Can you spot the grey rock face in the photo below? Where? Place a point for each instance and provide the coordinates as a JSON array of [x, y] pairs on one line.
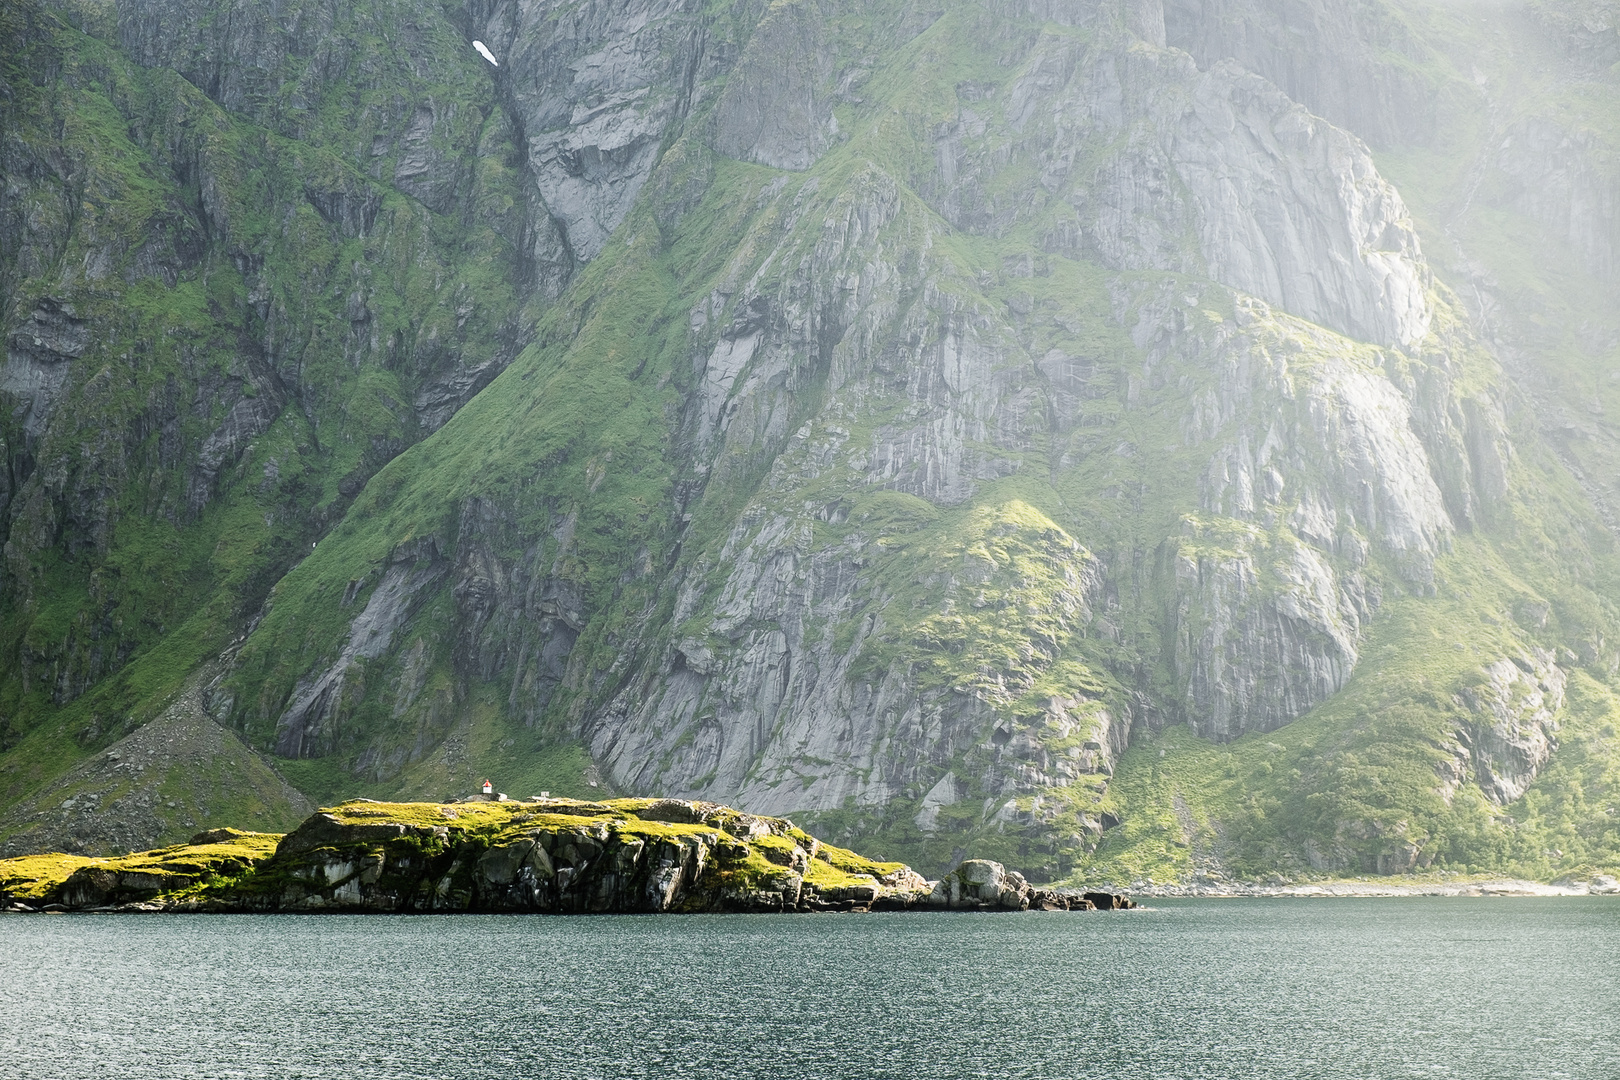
[[513, 618], [1517, 703], [765, 667], [1353, 62], [776, 108], [1284, 206], [279, 62], [1589, 30], [596, 86], [1373, 69], [1267, 628], [1344, 255], [38, 353], [1256, 660], [135, 398], [1252, 658], [1158, 343], [597, 89], [1568, 182], [439, 398], [522, 617], [772, 687], [306, 728], [246, 420]]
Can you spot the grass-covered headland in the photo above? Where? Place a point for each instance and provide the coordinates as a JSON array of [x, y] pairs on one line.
[[543, 855]]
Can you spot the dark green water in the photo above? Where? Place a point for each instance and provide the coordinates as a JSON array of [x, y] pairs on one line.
[[1468, 988]]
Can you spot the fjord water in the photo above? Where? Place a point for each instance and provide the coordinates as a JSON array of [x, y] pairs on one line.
[[1467, 987]]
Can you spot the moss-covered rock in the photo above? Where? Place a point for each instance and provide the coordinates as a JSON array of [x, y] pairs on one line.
[[563, 855], [213, 860], [542, 855]]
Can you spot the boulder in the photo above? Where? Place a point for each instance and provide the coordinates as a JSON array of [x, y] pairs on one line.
[[500, 865], [981, 878], [675, 811], [980, 884], [89, 887], [325, 830]]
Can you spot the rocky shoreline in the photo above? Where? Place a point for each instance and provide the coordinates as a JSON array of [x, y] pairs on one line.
[[555, 856], [1598, 885]]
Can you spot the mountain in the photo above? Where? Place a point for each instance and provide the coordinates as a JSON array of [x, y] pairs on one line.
[[1124, 438]]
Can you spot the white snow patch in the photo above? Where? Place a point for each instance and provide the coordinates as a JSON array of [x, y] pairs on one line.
[[483, 50]]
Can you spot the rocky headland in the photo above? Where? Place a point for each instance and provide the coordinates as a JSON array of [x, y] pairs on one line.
[[558, 856]]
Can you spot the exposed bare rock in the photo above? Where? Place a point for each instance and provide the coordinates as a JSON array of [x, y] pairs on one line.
[[776, 108], [1567, 180], [983, 885], [38, 352], [1284, 205], [596, 87], [1354, 62], [925, 403], [1516, 702], [308, 727]]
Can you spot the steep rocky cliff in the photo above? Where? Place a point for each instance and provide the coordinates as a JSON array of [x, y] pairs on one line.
[[234, 287], [1041, 423]]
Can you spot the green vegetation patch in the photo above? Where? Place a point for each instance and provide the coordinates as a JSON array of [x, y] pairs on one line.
[[223, 857]]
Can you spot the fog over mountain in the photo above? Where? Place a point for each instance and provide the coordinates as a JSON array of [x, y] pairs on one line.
[[1120, 438]]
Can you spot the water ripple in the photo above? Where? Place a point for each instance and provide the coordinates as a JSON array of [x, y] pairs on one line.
[[1473, 988]]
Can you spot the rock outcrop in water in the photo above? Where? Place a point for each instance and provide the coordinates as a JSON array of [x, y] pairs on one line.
[[556, 856]]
